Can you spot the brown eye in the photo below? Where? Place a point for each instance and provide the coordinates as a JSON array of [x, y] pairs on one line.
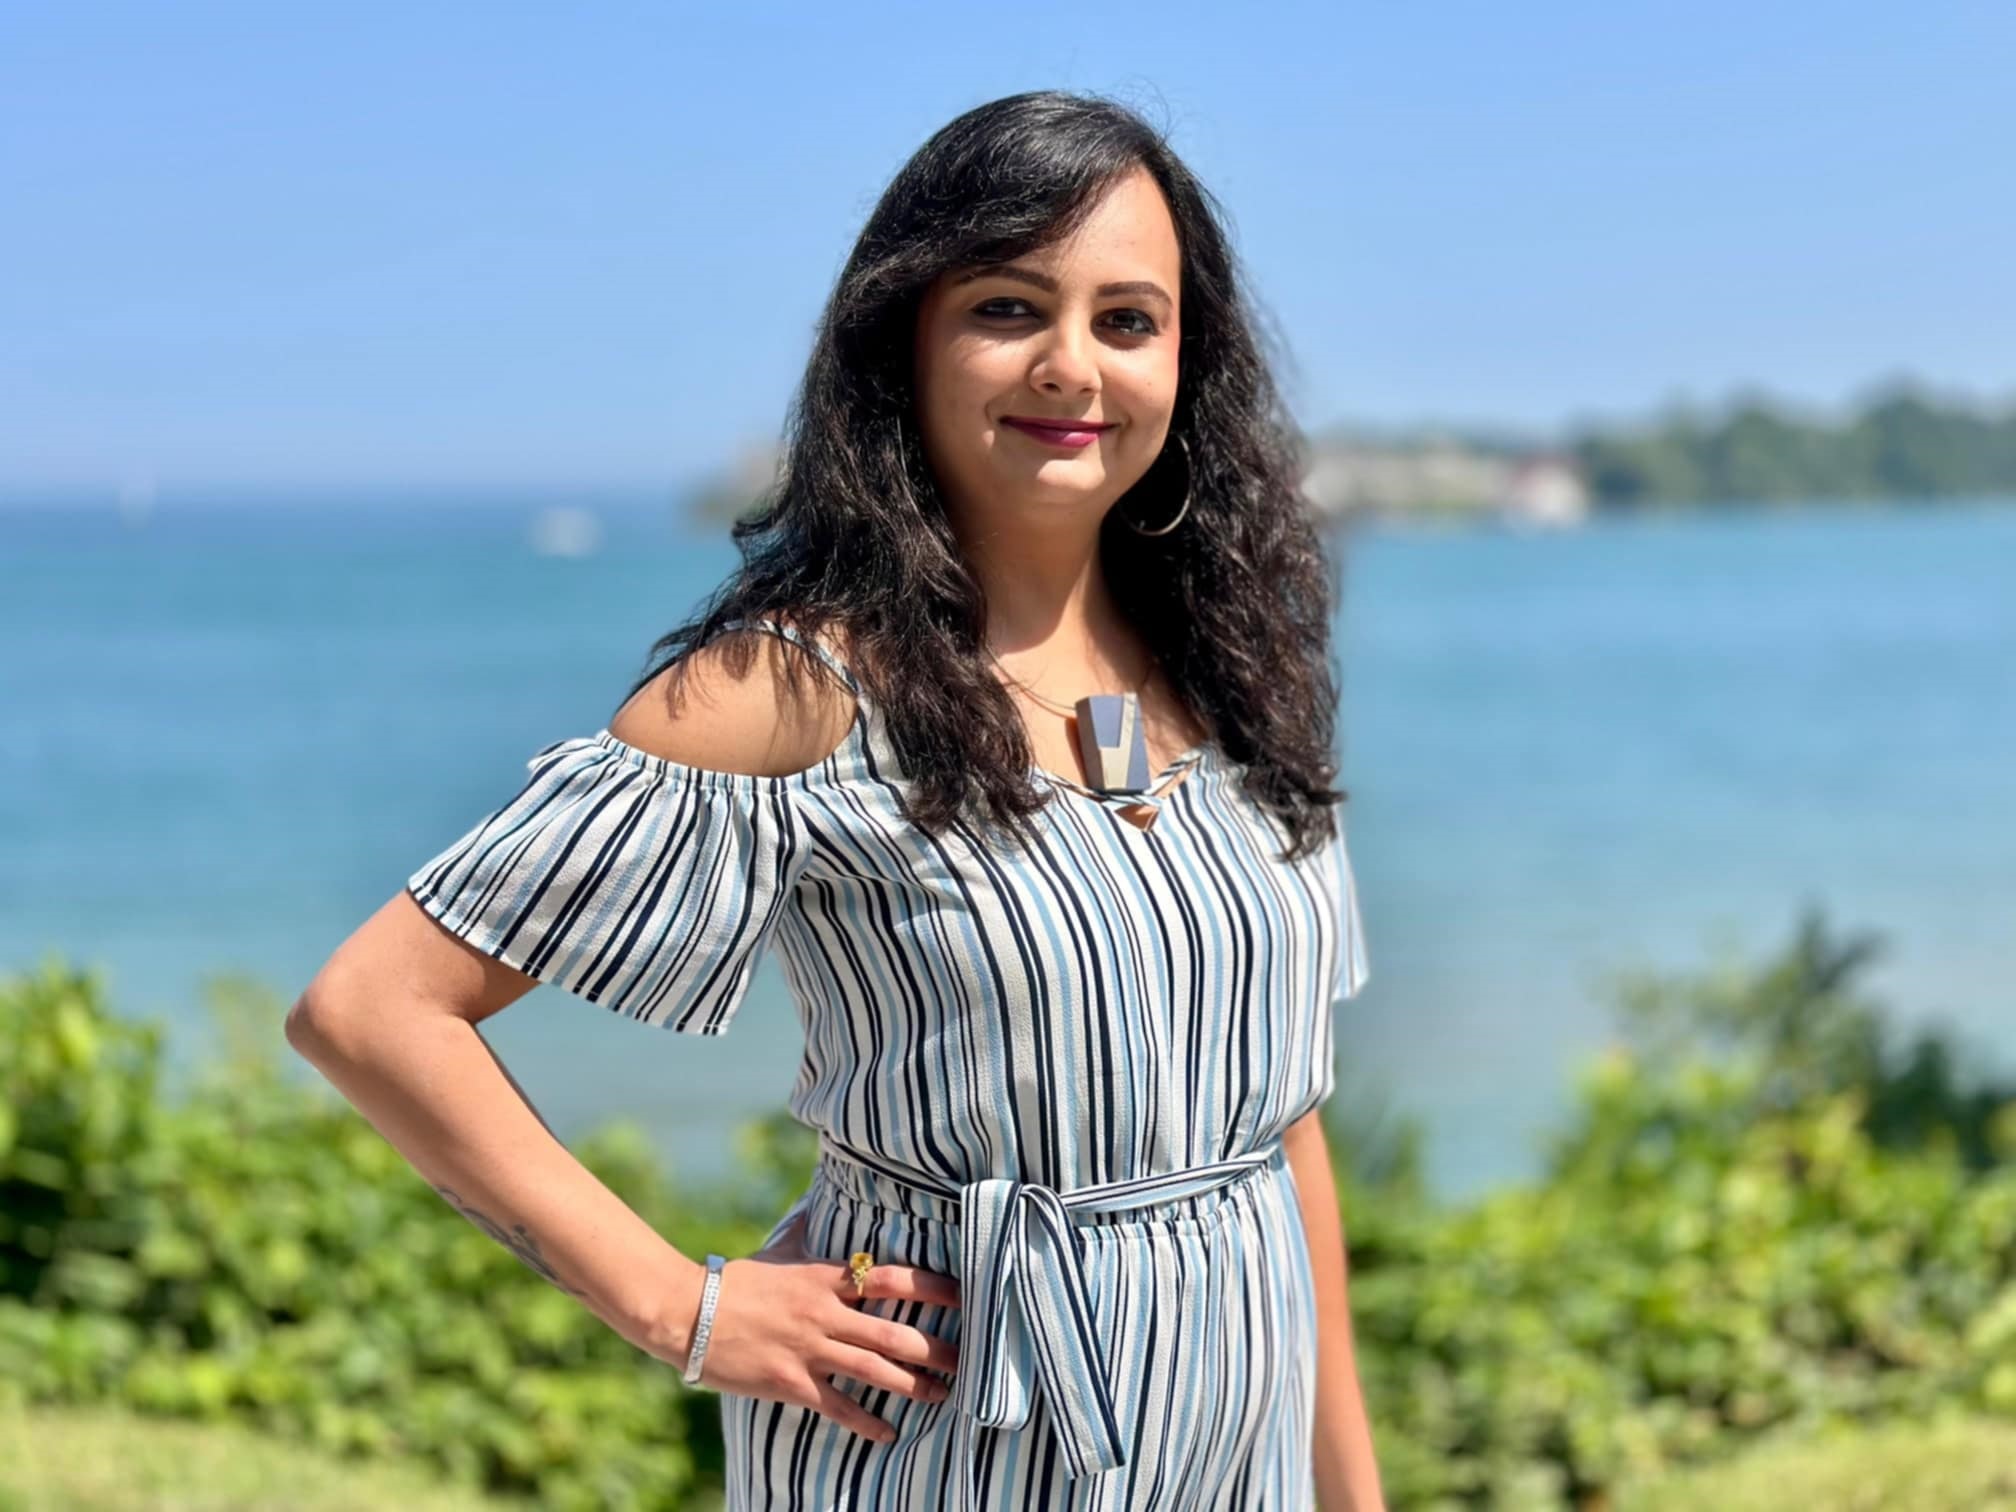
[[992, 310]]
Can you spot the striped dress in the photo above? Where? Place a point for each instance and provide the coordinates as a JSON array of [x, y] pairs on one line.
[[1059, 1074]]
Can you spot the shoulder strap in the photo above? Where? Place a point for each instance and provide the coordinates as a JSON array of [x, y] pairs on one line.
[[818, 647]]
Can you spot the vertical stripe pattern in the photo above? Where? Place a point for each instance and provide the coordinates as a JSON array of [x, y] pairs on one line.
[[1058, 1073]]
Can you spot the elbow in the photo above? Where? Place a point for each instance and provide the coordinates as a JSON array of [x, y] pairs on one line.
[[327, 1017], [306, 1028], [322, 1024]]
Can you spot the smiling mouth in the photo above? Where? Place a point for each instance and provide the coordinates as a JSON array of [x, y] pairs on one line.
[[1059, 433]]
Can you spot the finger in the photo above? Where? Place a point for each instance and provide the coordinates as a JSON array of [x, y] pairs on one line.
[[897, 1341], [841, 1280], [875, 1370], [912, 1283], [844, 1410]]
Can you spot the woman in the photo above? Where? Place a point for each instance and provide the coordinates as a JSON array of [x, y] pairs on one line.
[[1073, 1240]]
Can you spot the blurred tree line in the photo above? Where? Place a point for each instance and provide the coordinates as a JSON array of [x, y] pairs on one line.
[[1900, 444]]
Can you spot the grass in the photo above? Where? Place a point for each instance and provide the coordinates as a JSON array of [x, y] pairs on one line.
[[93, 1460], [1964, 1465]]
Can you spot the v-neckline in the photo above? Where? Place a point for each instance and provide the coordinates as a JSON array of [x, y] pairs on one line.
[[1196, 756]]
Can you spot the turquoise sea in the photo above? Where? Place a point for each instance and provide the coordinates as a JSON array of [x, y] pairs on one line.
[[227, 734]]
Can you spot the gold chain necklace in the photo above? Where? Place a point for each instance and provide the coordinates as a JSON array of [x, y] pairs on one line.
[[1154, 667]]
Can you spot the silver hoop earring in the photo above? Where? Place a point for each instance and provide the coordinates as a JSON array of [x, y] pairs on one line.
[[1187, 480]]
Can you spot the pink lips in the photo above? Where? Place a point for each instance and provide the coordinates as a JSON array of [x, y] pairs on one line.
[[1058, 433]]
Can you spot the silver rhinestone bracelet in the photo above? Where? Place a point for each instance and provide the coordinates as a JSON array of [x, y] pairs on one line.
[[710, 1293]]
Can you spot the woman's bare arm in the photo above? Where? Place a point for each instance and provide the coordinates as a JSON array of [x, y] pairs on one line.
[[391, 1019], [1347, 1472], [428, 1081]]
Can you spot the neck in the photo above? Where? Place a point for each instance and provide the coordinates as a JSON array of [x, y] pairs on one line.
[[1049, 603]]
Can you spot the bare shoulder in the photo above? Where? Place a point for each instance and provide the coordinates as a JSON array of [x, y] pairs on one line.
[[703, 712]]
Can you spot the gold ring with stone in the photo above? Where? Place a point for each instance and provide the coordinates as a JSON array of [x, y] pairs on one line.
[[859, 1265]]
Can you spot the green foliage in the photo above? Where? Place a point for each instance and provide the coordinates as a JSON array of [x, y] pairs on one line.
[[1900, 445], [1804, 1025], [262, 1254], [1722, 1245], [1758, 1218]]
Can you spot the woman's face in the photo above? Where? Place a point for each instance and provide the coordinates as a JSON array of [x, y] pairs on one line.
[[1081, 332]]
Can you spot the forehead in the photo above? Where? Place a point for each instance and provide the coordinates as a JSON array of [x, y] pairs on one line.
[[1130, 222], [1128, 234]]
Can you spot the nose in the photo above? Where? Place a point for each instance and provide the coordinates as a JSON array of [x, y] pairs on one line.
[[1067, 363]]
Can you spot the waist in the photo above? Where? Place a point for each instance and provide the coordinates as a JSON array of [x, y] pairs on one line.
[[1189, 1193], [1030, 1313]]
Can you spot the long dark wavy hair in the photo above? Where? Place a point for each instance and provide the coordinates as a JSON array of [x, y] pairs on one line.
[[1236, 602]]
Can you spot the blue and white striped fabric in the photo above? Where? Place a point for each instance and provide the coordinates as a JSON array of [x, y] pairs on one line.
[[1059, 1074]]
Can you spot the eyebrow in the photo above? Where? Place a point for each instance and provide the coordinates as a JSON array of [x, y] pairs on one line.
[[1045, 282]]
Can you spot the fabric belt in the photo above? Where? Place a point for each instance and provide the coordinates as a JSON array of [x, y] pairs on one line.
[[1026, 1314]]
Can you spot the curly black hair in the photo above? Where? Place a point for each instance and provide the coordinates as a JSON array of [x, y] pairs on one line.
[[1236, 603]]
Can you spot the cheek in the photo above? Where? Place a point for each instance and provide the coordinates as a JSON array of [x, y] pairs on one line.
[[964, 381], [977, 370], [1146, 375], [1148, 394], [953, 399]]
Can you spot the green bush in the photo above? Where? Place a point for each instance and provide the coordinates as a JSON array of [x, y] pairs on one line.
[[1724, 1242], [257, 1251], [1714, 1279], [1756, 1223]]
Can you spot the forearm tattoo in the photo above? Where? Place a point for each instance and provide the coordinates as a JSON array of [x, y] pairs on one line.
[[518, 1240]]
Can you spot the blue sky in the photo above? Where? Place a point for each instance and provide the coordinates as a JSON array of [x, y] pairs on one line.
[[284, 244]]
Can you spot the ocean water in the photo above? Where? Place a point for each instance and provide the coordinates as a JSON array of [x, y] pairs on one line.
[[228, 734]]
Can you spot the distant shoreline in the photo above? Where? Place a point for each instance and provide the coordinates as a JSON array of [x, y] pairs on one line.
[[383, 500], [1430, 521]]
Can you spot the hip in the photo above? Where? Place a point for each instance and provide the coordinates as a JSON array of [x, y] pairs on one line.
[[1198, 1350], [1241, 1236]]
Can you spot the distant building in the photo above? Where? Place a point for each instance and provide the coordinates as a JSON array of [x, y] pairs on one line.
[[1546, 490], [565, 532], [738, 488], [1444, 478]]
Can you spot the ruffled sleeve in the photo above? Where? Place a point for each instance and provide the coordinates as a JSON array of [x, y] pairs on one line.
[[1356, 968], [638, 883], [1353, 971]]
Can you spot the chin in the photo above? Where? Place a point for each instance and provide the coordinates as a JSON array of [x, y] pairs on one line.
[[1060, 480]]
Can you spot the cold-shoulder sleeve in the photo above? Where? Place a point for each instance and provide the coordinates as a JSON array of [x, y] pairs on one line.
[[1353, 971], [1356, 969], [638, 883]]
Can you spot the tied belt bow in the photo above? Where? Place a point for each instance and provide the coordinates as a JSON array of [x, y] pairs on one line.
[[1027, 1322]]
